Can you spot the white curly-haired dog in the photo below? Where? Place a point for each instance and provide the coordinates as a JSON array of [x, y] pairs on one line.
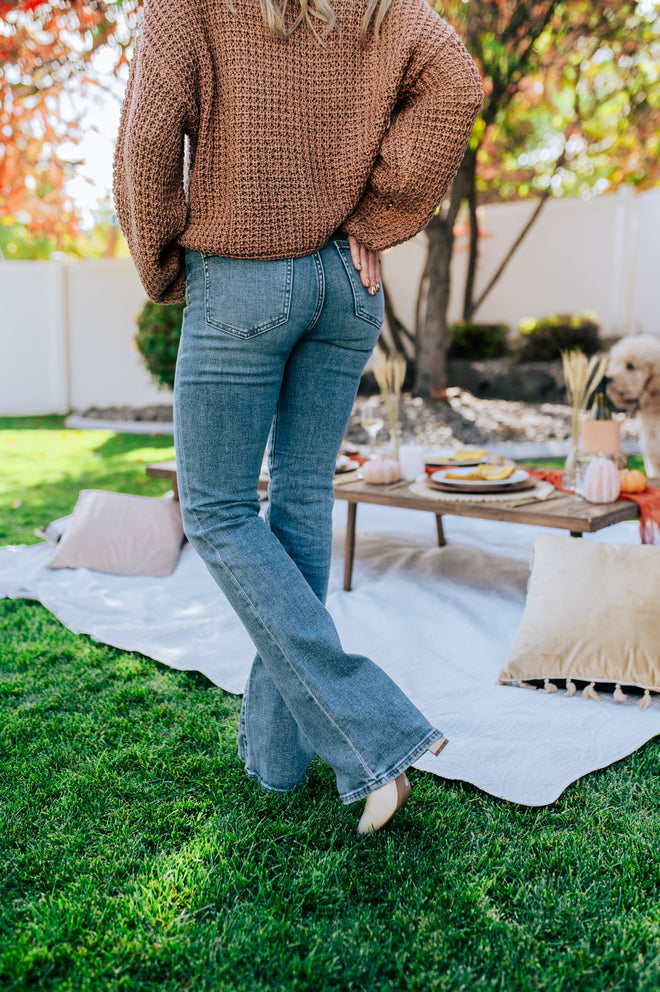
[[634, 385]]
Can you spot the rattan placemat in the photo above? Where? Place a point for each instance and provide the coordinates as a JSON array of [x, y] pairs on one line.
[[541, 491]]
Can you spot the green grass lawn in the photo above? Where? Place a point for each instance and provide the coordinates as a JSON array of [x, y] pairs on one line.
[[136, 856]]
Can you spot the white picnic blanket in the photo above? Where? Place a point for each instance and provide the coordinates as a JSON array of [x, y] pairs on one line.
[[438, 620]]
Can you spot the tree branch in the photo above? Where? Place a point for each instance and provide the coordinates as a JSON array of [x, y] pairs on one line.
[[543, 199]]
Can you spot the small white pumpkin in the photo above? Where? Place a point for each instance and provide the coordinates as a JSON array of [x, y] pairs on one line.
[[382, 470], [601, 481]]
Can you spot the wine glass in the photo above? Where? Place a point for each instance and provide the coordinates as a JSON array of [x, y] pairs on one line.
[[371, 419]]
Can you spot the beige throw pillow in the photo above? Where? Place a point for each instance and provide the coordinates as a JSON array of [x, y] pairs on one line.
[[592, 614], [121, 534]]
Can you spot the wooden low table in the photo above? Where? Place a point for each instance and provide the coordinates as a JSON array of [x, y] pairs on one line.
[[564, 511]]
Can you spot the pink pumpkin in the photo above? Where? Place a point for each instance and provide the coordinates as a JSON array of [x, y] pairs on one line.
[[601, 481], [381, 470]]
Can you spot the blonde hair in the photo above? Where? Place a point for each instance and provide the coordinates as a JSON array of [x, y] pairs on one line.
[[319, 17]]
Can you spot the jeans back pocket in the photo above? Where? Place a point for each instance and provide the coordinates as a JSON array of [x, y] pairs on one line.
[[247, 296]]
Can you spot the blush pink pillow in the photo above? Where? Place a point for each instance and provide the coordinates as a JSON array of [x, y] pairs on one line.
[[121, 534]]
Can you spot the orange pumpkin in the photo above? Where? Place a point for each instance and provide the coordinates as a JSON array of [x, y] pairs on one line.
[[632, 480]]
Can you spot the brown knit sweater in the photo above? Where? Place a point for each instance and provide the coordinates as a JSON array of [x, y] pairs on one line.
[[285, 142]]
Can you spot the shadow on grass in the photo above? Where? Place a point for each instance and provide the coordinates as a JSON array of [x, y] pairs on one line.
[[118, 444]]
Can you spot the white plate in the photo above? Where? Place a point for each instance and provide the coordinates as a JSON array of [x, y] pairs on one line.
[[346, 464], [518, 476], [446, 457]]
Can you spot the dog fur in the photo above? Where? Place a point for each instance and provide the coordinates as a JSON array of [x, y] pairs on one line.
[[634, 386]]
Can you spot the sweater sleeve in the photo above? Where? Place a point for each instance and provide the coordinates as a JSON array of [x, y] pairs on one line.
[[424, 145], [150, 201]]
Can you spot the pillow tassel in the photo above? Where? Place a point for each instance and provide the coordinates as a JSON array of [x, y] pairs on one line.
[[645, 701], [548, 686], [590, 692], [526, 685], [570, 688], [619, 695]]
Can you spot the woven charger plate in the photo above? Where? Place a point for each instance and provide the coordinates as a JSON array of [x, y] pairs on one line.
[[541, 491]]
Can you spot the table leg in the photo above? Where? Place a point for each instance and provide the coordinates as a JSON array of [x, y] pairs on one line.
[[575, 533], [349, 549], [441, 533]]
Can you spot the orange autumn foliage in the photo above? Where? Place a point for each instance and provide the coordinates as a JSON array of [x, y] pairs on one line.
[[45, 45]]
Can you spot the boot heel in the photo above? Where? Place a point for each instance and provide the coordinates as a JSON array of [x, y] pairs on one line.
[[382, 804], [437, 746]]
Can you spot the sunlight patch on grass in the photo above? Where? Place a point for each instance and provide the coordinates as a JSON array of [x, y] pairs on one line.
[[45, 465]]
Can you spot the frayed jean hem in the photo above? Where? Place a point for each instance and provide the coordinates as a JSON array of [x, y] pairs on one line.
[[412, 756], [280, 790]]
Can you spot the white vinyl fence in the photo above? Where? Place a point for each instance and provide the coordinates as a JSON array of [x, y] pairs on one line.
[[66, 329]]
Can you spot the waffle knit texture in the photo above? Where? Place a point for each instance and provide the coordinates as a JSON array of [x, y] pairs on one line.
[[234, 142]]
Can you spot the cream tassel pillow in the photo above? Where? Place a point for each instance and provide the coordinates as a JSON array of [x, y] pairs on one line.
[[592, 615]]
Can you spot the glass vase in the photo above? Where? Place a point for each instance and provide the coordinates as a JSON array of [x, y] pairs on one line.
[[395, 439], [569, 478], [392, 403]]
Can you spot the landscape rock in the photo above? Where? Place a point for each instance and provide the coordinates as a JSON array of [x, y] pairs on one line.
[[522, 383], [459, 418]]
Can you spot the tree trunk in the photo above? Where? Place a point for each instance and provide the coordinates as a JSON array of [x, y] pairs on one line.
[[402, 339], [432, 334], [431, 328], [470, 164]]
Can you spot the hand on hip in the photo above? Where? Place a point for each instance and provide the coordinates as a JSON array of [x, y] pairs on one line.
[[367, 263]]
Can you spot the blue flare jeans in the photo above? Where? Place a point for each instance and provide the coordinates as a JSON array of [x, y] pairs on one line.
[[270, 357]]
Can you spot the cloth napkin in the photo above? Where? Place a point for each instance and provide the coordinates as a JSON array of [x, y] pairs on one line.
[[648, 503]]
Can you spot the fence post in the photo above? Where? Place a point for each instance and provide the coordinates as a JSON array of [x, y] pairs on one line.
[[60, 351]]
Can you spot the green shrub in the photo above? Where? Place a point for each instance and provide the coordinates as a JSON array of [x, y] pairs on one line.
[[544, 339], [477, 341], [157, 339]]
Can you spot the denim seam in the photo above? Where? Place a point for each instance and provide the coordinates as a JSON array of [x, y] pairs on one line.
[[352, 797], [270, 633], [320, 274]]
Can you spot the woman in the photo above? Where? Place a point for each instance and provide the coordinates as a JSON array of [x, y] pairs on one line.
[[266, 154]]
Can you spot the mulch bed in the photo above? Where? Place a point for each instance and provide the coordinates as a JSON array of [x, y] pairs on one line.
[[459, 418]]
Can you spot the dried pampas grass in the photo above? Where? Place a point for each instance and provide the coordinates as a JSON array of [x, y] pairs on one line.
[[390, 371]]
